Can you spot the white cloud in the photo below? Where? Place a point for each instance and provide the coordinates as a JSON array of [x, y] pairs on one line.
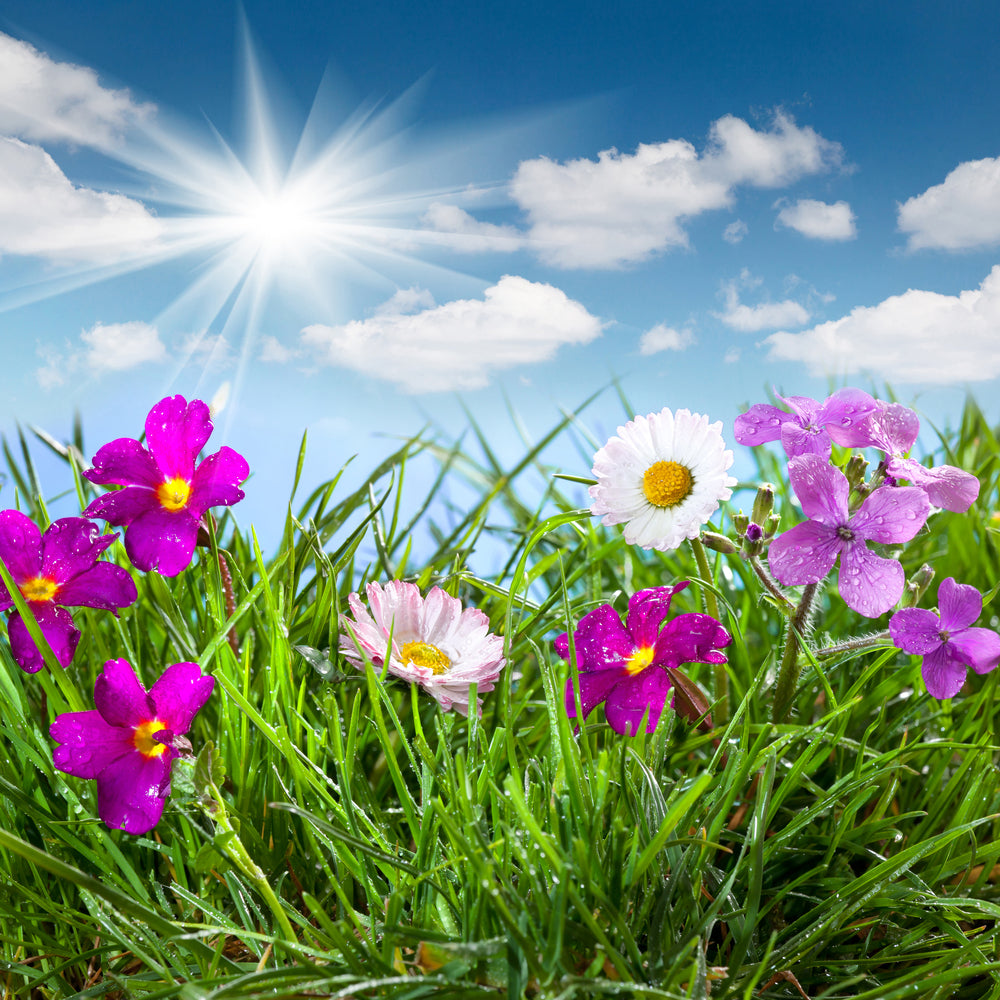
[[273, 351], [664, 338], [764, 315], [731, 356], [105, 347], [818, 220], [459, 344], [918, 336], [43, 215], [624, 207], [208, 349], [406, 300], [735, 231], [961, 213], [41, 99], [462, 231]]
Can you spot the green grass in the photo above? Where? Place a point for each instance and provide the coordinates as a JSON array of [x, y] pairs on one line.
[[852, 851]]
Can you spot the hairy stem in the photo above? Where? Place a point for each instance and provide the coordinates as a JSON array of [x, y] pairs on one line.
[[788, 674], [770, 585], [852, 645]]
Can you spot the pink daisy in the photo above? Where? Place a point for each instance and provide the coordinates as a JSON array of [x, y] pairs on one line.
[[431, 641]]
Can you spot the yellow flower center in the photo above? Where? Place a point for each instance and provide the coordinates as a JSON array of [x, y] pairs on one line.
[[39, 588], [423, 654], [666, 484], [174, 493], [639, 660], [142, 738]]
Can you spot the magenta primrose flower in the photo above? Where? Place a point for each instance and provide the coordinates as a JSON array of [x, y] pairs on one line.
[[165, 493], [129, 741], [627, 665], [809, 427], [869, 584], [947, 643], [54, 571]]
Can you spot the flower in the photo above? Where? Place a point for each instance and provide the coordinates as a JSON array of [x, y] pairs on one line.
[[165, 494], [628, 665], [54, 571], [808, 429], [663, 476], [893, 429], [946, 642], [128, 743], [431, 641], [869, 584]]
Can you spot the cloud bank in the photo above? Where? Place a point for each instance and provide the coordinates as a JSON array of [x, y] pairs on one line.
[[819, 220], [105, 347]]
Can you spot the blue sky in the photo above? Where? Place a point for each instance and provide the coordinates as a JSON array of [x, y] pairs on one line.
[[360, 217]]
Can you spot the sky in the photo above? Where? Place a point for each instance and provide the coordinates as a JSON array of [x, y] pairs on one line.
[[360, 220]]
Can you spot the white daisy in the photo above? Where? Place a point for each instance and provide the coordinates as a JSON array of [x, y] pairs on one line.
[[663, 476]]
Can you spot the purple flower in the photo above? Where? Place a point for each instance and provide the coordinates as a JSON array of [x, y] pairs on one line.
[[946, 642], [54, 571], [165, 494], [627, 665], [869, 584], [128, 743], [893, 428], [808, 429]]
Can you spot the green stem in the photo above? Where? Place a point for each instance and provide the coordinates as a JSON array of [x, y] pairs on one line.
[[721, 709], [770, 586], [852, 645], [788, 674]]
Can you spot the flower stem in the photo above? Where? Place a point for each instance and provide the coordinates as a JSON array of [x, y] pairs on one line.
[[770, 586], [721, 709], [788, 674], [852, 645]]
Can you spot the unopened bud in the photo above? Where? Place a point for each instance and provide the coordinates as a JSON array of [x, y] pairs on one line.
[[855, 471], [916, 586], [719, 543], [753, 540], [763, 503], [740, 522], [772, 525]]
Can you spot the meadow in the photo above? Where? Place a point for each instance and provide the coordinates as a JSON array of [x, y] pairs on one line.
[[332, 832]]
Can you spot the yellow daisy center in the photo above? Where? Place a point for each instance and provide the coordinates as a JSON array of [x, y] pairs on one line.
[[666, 484], [174, 494], [39, 588], [423, 654], [639, 660], [142, 738]]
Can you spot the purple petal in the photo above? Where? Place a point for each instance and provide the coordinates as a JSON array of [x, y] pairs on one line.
[[601, 640], [20, 547], [132, 791], [891, 514], [630, 699], [844, 416], [959, 604], [57, 627], [124, 462], [646, 611], [894, 428], [175, 432], [179, 693], [691, 638], [162, 540], [978, 647], [123, 506], [915, 631], [822, 490], [71, 546], [943, 673], [104, 586], [946, 487], [804, 554], [88, 743], [869, 584], [804, 407], [811, 440], [120, 698], [760, 424], [216, 481], [594, 688]]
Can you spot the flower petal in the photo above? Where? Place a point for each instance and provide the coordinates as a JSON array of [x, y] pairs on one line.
[[797, 440], [70, 546], [946, 487], [960, 604], [175, 432], [123, 506], [120, 698], [822, 490], [20, 547], [124, 462], [760, 424], [844, 415], [891, 514], [646, 611], [869, 584], [88, 743], [601, 640], [132, 791], [179, 693], [162, 540], [804, 554], [57, 627], [594, 688], [943, 673], [628, 701], [893, 428], [691, 638], [915, 631], [978, 647], [217, 480], [104, 586]]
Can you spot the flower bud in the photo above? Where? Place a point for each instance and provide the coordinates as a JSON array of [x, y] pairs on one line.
[[772, 525], [763, 503], [916, 586], [718, 543], [855, 471], [740, 522], [753, 540]]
